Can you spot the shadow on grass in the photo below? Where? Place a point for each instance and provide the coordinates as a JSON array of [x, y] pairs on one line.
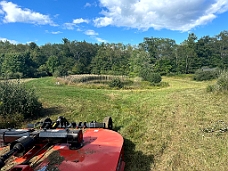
[[136, 160], [51, 111], [117, 128]]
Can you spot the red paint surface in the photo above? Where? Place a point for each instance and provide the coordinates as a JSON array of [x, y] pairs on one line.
[[102, 151]]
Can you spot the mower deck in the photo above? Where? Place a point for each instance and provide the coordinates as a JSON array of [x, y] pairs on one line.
[[101, 150]]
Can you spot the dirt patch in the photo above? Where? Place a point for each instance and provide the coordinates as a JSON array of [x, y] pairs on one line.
[[53, 160]]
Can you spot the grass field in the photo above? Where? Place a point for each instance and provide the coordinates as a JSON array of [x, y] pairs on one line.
[[172, 128]]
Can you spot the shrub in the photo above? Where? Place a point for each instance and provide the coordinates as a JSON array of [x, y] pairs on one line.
[[116, 83], [221, 84], [152, 77], [16, 99], [155, 77], [210, 88], [204, 75], [223, 81], [11, 122]]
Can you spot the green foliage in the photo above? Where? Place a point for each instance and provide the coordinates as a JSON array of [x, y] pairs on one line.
[[116, 83], [16, 99], [210, 88], [221, 84], [111, 59], [144, 73], [159, 55], [60, 71], [206, 74], [12, 75], [52, 63], [8, 121], [163, 66], [151, 76], [17, 65], [154, 78], [223, 81]]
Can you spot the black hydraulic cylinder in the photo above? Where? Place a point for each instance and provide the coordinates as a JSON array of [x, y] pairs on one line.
[[18, 147], [22, 144]]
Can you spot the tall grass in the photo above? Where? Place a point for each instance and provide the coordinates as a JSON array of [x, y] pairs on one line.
[[221, 86], [164, 129], [90, 78]]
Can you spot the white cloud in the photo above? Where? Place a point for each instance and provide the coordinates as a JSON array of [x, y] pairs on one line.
[[53, 32], [13, 13], [103, 21], [88, 5], [11, 41], [90, 33], [69, 26], [100, 40], [79, 29], [56, 15], [94, 35], [182, 15], [80, 20], [75, 22], [56, 32]]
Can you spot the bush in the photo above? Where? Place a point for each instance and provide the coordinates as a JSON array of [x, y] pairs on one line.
[[210, 88], [16, 99], [221, 84], [223, 81], [205, 75], [152, 77], [116, 83], [11, 122]]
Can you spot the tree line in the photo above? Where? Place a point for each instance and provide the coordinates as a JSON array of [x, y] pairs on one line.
[[157, 55]]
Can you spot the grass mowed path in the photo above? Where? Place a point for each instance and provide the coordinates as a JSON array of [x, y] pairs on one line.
[[162, 128]]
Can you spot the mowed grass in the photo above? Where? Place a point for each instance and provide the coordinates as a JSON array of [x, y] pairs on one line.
[[162, 128]]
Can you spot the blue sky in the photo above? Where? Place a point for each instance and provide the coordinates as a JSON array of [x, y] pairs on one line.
[[111, 21]]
